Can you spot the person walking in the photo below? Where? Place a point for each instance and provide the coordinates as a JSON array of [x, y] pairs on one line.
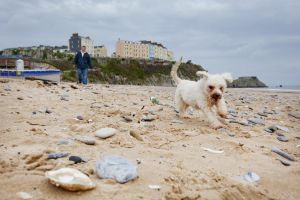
[[83, 63]]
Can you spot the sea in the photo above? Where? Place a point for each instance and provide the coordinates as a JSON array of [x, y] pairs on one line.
[[283, 88]]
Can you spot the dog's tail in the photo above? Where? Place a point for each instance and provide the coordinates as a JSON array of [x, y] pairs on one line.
[[174, 71]]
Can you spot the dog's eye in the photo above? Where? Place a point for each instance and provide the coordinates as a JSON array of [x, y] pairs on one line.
[[221, 88], [211, 87]]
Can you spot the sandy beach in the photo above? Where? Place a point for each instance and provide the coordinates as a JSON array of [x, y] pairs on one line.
[[170, 150]]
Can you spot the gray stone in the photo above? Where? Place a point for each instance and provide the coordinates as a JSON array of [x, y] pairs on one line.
[[256, 121], [57, 155], [105, 132], [147, 118], [295, 115], [282, 138], [85, 139]]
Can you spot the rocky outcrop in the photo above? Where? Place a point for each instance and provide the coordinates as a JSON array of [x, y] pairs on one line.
[[247, 82]]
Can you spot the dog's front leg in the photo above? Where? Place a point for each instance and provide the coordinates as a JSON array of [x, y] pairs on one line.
[[222, 108], [211, 117]]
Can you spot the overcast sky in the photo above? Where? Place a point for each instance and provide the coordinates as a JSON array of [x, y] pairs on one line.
[[244, 37]]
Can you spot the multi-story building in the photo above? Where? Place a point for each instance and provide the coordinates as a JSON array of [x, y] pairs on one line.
[[100, 51], [142, 50], [76, 42]]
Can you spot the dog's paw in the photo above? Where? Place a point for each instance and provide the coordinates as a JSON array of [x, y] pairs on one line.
[[223, 115], [218, 126]]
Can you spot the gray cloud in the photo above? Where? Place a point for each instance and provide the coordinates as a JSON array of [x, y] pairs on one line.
[[254, 37]]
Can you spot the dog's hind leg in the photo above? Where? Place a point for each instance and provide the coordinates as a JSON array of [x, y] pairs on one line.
[[180, 105]]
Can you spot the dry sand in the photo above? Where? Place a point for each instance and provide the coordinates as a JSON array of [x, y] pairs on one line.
[[170, 153]]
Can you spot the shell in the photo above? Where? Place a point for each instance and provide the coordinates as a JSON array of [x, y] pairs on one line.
[[70, 179]]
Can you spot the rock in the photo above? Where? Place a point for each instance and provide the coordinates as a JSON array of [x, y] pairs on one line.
[[282, 138], [127, 119], [245, 82], [231, 111], [147, 118], [138, 161], [256, 121], [136, 135], [105, 132], [190, 111], [64, 141], [20, 98], [282, 128], [176, 121], [70, 179], [76, 159], [57, 155], [283, 154], [48, 111], [24, 195], [116, 167], [73, 86], [285, 163], [268, 130], [154, 187], [85, 139], [244, 123], [262, 114], [295, 115], [79, 117], [251, 177], [64, 98]]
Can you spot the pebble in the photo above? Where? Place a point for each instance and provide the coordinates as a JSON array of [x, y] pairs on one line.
[[20, 98], [282, 128], [57, 155], [282, 138], [136, 135], [285, 163], [79, 117], [24, 195], [256, 121], [64, 141], [283, 154], [147, 118], [138, 161], [176, 121], [154, 187], [127, 119], [85, 139], [76, 159], [231, 111], [295, 115], [64, 98], [262, 114], [105, 132], [190, 111], [244, 123], [48, 111]]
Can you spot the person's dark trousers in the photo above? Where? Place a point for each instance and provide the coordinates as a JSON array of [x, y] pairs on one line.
[[82, 74]]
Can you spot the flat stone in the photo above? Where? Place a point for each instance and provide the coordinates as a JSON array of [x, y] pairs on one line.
[[79, 117], [147, 118], [282, 128], [262, 114], [256, 121], [295, 115], [127, 119], [76, 159], [106, 132], [176, 121], [56, 155], [282, 138], [85, 139]]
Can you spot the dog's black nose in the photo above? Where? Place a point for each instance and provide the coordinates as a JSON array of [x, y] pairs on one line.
[[216, 96]]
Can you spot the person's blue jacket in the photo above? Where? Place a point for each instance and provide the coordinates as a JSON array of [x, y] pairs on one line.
[[83, 62]]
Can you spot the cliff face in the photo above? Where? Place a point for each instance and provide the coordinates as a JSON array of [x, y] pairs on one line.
[[247, 82]]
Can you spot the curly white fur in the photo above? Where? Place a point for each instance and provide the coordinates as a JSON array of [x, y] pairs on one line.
[[205, 94]]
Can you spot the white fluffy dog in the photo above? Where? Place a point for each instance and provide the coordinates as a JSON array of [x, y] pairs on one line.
[[205, 94]]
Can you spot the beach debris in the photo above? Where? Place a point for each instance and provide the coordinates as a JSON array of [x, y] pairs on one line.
[[285, 163], [147, 118], [48, 111], [176, 121], [282, 128], [70, 179], [79, 117], [20, 98], [283, 154], [211, 150], [24, 195], [154, 187], [127, 119], [295, 115], [56, 155], [105, 132], [136, 135], [282, 138], [116, 167], [155, 100], [76, 159], [251, 177], [85, 139], [255, 121]]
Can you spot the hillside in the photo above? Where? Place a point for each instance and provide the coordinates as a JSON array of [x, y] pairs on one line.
[[247, 82], [128, 71]]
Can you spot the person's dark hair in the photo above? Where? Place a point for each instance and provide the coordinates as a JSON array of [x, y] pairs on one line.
[[83, 46]]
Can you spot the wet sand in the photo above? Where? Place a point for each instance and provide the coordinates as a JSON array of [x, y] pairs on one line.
[[169, 148]]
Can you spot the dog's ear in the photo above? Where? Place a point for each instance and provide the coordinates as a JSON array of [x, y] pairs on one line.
[[227, 77], [203, 74]]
